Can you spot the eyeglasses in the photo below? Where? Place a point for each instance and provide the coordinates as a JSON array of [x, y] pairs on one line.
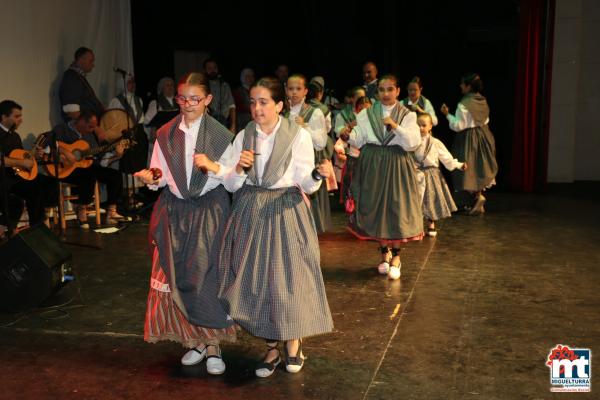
[[192, 101]]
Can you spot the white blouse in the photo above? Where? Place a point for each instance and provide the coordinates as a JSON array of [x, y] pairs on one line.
[[226, 162], [462, 120], [298, 172], [437, 153], [316, 126], [407, 134]]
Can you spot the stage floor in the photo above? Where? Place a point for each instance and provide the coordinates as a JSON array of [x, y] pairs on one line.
[[475, 314]]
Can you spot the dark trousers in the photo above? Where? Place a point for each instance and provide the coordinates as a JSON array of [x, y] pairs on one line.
[[85, 178], [19, 191]]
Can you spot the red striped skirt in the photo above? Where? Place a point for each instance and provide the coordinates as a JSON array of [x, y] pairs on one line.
[[165, 321]]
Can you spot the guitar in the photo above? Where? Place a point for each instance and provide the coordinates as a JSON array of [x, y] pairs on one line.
[[21, 154], [83, 154]]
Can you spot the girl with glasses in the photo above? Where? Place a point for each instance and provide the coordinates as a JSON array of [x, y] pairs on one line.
[[191, 156]]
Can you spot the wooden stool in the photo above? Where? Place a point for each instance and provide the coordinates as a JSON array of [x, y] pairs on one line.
[[63, 211]]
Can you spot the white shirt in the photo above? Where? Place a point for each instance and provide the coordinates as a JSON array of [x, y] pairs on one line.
[[298, 172], [437, 153], [428, 109], [407, 134], [115, 103], [153, 109], [462, 120], [316, 126], [226, 162], [340, 123]]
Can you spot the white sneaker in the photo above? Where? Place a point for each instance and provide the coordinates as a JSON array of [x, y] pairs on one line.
[[394, 272], [215, 364], [383, 268], [194, 356]]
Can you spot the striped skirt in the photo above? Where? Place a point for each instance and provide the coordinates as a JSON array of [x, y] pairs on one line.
[[437, 199], [164, 320], [271, 281]]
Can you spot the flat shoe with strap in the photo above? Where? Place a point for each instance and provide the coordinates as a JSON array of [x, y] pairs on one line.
[[266, 369]]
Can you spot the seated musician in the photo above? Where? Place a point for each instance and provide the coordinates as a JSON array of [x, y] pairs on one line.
[[82, 128], [37, 193]]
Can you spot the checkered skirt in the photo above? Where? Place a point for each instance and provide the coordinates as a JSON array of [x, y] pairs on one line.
[[437, 200], [270, 277]]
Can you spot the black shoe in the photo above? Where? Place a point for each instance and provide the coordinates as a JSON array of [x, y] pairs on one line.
[[266, 369]]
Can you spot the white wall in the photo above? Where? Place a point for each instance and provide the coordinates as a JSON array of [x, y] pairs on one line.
[[574, 142], [38, 41]]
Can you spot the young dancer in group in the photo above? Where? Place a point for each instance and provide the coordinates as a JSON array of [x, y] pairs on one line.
[[417, 102], [270, 277], [314, 121], [437, 199], [190, 159], [350, 155], [385, 184], [474, 142]]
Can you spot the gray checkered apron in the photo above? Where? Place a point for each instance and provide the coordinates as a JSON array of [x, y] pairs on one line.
[[271, 281], [187, 231]]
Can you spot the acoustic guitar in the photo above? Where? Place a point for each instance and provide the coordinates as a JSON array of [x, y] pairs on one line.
[[21, 154], [83, 154]]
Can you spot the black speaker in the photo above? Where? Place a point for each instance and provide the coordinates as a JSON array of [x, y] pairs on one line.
[[33, 265]]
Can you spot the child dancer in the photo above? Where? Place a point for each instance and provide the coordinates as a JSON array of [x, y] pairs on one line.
[[192, 153], [311, 117], [417, 102], [437, 199], [271, 281], [474, 143], [344, 122], [385, 187], [350, 155]]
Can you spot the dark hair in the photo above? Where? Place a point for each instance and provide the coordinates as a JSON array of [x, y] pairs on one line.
[[195, 79], [298, 76], [389, 77], [86, 115], [362, 101], [416, 80], [274, 86], [208, 60], [6, 107], [80, 52], [314, 88], [473, 80]]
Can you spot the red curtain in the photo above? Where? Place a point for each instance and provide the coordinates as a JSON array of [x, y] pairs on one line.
[[532, 103]]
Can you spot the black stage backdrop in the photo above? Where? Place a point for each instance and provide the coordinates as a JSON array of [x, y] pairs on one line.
[[438, 41]]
